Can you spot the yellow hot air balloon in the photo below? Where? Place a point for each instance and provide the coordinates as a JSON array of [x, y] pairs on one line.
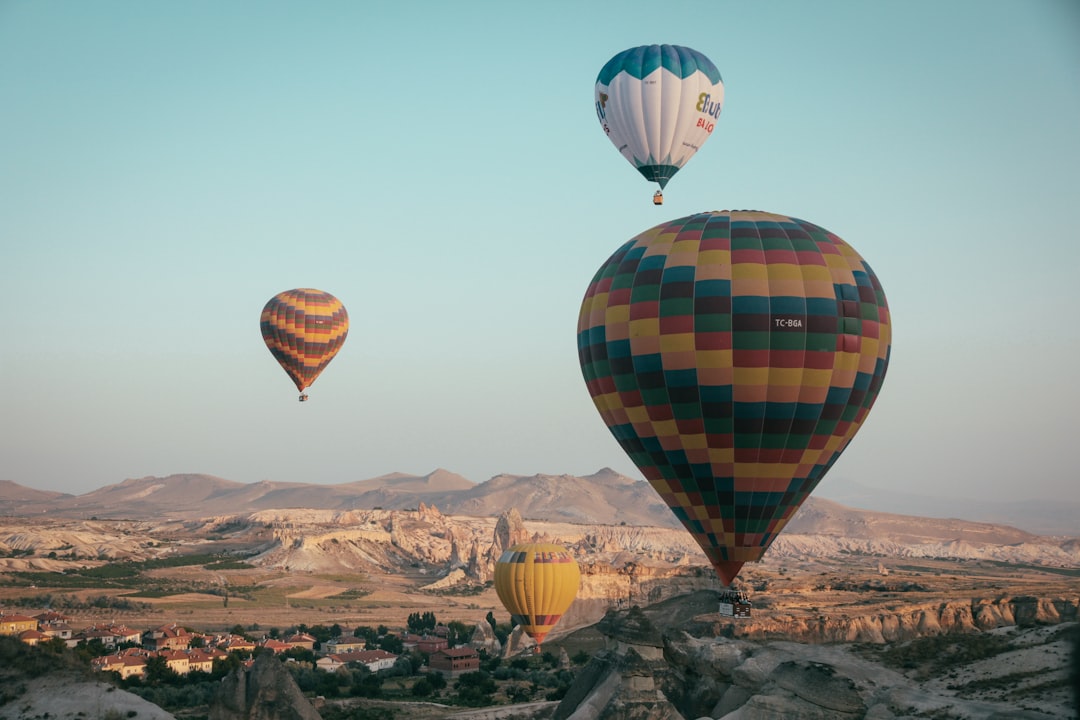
[[537, 582]]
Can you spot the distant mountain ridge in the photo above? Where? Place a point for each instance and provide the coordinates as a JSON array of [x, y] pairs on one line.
[[603, 498], [606, 497]]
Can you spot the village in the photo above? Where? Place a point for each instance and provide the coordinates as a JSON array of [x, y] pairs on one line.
[[130, 652]]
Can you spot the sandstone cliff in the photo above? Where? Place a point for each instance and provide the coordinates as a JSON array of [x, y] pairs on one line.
[[902, 624]]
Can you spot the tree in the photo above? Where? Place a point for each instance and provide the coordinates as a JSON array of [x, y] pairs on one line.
[[422, 688], [321, 633], [518, 693], [502, 632], [328, 684], [369, 635], [300, 654], [224, 666], [367, 685], [421, 623], [459, 633], [392, 644], [158, 672], [475, 689], [438, 682]]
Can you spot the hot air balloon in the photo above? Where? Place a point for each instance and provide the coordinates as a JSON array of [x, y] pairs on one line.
[[658, 104], [304, 329], [536, 583], [734, 355]]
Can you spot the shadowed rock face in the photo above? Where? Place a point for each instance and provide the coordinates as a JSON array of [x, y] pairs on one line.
[[625, 681], [265, 692]]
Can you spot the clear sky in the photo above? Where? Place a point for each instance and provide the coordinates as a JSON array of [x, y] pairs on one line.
[[167, 167]]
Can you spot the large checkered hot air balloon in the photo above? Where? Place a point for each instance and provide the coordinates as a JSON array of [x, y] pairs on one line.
[[304, 329], [734, 355], [658, 104], [537, 583]]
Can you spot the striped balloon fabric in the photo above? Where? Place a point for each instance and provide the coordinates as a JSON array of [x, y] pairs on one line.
[[734, 355], [304, 329]]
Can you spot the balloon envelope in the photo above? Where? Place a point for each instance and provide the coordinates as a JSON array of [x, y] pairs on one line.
[[536, 583], [734, 355], [304, 329], [658, 105]]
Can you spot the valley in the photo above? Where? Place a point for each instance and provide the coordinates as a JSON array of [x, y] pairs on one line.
[[864, 589]]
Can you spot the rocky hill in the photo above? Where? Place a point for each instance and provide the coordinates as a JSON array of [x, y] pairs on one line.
[[665, 662], [604, 497]]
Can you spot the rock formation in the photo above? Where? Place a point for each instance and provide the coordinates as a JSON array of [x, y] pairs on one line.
[[624, 681], [265, 692], [517, 643], [914, 621], [483, 638], [662, 663], [509, 531]]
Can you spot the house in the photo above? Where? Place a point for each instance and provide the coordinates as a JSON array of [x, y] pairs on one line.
[[177, 660], [51, 616], [124, 664], [167, 637], [235, 643], [33, 637], [276, 646], [344, 644], [11, 624], [301, 640], [101, 633], [107, 663], [452, 662], [133, 665], [109, 635], [124, 634], [200, 661], [55, 629], [374, 660], [429, 644]]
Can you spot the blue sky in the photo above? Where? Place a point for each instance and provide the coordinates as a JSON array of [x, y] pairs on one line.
[[165, 168]]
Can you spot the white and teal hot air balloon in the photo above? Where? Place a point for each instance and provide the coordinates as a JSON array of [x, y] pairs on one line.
[[659, 104]]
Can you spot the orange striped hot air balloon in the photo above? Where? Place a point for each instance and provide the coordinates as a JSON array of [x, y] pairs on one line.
[[537, 583], [304, 329]]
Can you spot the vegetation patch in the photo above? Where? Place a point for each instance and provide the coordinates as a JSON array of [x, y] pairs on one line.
[[934, 655], [230, 565]]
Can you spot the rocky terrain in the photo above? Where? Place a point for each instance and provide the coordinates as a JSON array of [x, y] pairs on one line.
[[838, 591], [654, 666]]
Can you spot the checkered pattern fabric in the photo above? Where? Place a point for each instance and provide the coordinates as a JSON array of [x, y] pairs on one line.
[[734, 355]]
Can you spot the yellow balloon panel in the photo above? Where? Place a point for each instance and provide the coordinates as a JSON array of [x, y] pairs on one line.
[[537, 583]]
